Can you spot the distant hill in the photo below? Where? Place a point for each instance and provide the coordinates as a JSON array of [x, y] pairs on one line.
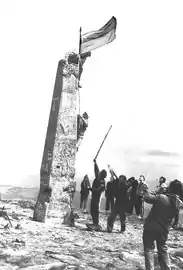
[[23, 193]]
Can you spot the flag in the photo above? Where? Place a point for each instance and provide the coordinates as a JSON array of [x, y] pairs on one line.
[[96, 39]]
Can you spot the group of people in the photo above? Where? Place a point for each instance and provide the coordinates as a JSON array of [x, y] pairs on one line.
[[122, 195]]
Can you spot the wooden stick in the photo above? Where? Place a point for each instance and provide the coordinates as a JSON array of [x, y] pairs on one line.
[[102, 143]]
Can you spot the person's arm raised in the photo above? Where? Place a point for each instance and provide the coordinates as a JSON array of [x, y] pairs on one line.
[[96, 169]]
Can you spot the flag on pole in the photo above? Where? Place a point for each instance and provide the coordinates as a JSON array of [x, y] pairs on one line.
[[96, 39]]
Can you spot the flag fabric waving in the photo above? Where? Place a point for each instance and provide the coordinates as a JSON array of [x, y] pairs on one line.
[[96, 39]]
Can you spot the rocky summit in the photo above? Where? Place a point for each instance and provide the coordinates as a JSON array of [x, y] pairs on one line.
[[54, 246]]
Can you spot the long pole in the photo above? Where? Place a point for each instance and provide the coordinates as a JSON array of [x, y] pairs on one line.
[[102, 143]]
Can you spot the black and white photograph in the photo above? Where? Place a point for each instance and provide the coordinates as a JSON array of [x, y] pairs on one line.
[[91, 135]]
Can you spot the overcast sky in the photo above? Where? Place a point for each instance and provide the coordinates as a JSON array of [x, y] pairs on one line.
[[135, 83]]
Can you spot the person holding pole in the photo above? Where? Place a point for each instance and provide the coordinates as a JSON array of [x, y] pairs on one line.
[[97, 188]]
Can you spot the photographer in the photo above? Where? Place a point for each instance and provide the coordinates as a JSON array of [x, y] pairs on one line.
[[159, 221]]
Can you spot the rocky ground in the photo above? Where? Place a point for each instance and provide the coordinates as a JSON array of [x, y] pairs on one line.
[[54, 246]]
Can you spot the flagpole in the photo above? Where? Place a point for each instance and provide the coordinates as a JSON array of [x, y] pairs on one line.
[[79, 61]]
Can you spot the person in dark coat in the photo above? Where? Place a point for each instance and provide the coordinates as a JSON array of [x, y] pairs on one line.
[[132, 196], [157, 224], [85, 190], [98, 187], [109, 194], [120, 192]]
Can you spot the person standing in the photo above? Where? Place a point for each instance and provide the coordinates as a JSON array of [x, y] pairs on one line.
[[120, 192], [162, 186], [132, 200], [85, 190], [139, 197], [109, 194], [157, 224], [98, 187]]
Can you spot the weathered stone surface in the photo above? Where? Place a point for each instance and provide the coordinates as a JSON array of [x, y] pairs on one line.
[[52, 245], [57, 183]]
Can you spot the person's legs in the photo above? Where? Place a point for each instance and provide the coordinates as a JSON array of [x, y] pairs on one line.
[[107, 203], [85, 202], [122, 217], [94, 210], [130, 206], [137, 205], [133, 205], [111, 218], [141, 207], [148, 242], [112, 203], [162, 248], [81, 201]]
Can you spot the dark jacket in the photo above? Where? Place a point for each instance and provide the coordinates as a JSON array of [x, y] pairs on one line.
[[121, 188], [109, 189], [162, 213], [98, 185], [134, 189]]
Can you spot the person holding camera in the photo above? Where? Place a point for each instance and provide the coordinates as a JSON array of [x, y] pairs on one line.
[[159, 221]]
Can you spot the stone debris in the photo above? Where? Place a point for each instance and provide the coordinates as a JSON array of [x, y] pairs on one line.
[[52, 246]]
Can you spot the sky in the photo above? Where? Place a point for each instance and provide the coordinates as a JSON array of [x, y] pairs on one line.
[[134, 84]]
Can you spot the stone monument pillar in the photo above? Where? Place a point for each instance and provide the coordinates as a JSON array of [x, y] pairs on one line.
[[57, 183]]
